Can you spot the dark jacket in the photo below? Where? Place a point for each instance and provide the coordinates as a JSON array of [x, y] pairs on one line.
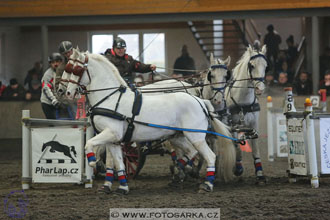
[[8, 93], [185, 63], [126, 65], [303, 88]]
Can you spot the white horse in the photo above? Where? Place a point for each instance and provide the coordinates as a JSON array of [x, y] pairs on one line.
[[212, 89], [118, 109], [241, 97]]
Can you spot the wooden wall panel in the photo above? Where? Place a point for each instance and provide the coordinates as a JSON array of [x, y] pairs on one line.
[[41, 8]]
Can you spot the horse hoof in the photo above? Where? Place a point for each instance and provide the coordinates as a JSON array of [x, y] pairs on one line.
[[122, 190], [104, 189], [206, 187], [238, 171], [178, 175], [261, 180]]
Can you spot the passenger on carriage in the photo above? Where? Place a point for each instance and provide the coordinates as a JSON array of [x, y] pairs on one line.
[[65, 50], [49, 102], [125, 63]]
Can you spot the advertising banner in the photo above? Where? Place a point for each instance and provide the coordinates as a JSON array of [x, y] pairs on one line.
[[57, 155], [325, 145], [297, 154], [281, 135]]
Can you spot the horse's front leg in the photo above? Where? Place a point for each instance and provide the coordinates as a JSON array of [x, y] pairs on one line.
[[117, 156], [106, 136], [109, 176]]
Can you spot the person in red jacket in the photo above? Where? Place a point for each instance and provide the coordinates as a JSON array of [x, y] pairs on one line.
[[125, 63]]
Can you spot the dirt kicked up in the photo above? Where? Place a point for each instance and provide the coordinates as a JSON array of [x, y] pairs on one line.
[[240, 199]]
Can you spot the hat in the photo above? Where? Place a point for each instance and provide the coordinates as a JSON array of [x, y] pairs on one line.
[[13, 81]]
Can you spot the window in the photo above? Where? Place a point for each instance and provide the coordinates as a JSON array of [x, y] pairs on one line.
[[145, 47], [101, 42], [154, 49]]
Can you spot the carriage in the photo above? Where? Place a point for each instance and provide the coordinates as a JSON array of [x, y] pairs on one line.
[[79, 64]]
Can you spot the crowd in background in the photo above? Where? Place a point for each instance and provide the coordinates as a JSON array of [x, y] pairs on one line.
[[282, 63]]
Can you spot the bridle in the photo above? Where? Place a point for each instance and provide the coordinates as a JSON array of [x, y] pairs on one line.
[[209, 77], [77, 70], [250, 67]]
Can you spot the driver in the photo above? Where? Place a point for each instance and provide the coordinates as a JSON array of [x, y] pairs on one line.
[[125, 63]]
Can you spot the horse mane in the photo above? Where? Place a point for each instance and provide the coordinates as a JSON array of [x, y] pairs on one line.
[[241, 65], [110, 66]]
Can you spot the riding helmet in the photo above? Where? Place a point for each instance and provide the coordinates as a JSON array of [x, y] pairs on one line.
[[55, 57], [119, 43], [65, 46]]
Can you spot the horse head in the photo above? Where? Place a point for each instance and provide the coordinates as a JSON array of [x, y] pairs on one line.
[[257, 67], [65, 78], [217, 78], [78, 80]]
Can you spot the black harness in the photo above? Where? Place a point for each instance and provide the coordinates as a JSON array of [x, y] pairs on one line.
[[94, 111]]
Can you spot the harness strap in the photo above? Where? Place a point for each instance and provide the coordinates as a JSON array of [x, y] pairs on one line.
[[255, 107], [135, 111]]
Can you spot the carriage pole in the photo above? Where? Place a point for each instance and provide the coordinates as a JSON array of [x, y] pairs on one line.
[[88, 169], [311, 144], [26, 134], [270, 138]]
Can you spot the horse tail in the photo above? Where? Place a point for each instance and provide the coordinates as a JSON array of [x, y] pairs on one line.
[[225, 145], [228, 157]]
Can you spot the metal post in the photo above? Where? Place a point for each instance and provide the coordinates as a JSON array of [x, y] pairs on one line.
[[88, 169], [270, 136], [315, 53], [311, 145], [26, 134], [44, 40]]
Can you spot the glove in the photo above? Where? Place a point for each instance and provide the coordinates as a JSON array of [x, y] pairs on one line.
[[56, 103]]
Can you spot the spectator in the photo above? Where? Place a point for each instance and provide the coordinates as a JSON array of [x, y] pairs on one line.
[[49, 102], [303, 84], [14, 92], [34, 73], [270, 83], [326, 82], [139, 81], [285, 68], [184, 63], [125, 63], [292, 52], [272, 40], [2, 88], [34, 93], [278, 89], [325, 62]]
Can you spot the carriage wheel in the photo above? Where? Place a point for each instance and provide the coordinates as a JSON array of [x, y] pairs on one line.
[[134, 160]]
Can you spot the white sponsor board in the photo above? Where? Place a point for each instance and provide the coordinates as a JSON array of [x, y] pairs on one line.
[[57, 155], [281, 140], [297, 154], [325, 145]]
